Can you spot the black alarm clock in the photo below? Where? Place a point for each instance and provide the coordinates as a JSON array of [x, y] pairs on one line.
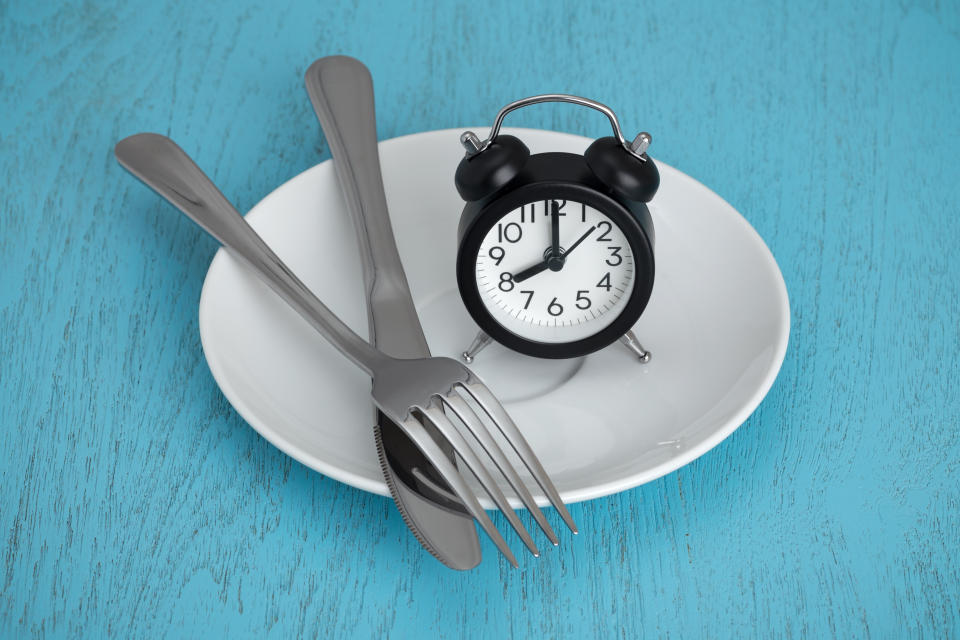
[[555, 256]]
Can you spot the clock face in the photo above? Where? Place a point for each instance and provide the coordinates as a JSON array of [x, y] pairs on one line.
[[555, 271]]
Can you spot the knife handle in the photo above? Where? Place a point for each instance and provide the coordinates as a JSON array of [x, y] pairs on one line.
[[341, 91]]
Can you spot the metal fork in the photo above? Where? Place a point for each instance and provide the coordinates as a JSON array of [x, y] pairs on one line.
[[412, 393]]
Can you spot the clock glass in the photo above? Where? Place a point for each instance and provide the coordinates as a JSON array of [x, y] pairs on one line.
[[555, 271]]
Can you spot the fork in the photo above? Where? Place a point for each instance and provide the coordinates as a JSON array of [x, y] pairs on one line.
[[413, 393]]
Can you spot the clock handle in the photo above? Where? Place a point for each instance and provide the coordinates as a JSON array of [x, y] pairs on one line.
[[341, 91], [636, 148]]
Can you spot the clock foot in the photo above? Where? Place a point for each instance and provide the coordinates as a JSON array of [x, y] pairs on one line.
[[629, 339], [481, 341]]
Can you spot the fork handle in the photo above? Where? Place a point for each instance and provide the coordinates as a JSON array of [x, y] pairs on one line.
[[168, 170], [341, 91]]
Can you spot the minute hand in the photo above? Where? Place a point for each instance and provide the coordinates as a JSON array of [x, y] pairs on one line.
[[555, 230]]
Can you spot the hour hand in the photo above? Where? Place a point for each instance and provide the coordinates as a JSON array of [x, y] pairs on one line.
[[532, 271]]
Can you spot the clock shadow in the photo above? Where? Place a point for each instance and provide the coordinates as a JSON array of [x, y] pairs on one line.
[[512, 376]]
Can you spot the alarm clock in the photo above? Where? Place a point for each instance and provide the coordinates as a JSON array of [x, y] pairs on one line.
[[555, 250]]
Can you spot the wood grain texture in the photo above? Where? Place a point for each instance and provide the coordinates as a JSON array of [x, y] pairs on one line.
[[137, 504]]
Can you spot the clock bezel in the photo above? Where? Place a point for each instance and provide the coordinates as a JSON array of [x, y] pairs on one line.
[[496, 208]]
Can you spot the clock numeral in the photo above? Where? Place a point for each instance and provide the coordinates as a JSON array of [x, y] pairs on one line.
[[615, 253], [497, 254], [554, 308], [511, 232], [523, 212], [560, 205], [605, 282], [506, 278], [606, 226], [529, 295], [583, 212], [582, 297]]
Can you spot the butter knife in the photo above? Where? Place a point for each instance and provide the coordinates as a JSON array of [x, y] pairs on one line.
[[341, 91]]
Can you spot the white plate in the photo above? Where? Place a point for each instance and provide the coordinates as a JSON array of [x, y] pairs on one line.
[[717, 325]]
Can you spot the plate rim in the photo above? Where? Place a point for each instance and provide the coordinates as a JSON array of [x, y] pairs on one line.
[[363, 483]]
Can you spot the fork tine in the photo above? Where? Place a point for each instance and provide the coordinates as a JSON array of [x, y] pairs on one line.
[[448, 471], [479, 392], [447, 429], [475, 425]]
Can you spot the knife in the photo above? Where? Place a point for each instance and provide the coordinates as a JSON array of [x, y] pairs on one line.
[[341, 91]]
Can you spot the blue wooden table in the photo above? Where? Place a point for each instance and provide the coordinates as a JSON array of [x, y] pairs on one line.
[[135, 503]]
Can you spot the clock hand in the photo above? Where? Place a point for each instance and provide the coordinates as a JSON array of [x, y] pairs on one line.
[[579, 240], [552, 262], [555, 229], [532, 271]]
